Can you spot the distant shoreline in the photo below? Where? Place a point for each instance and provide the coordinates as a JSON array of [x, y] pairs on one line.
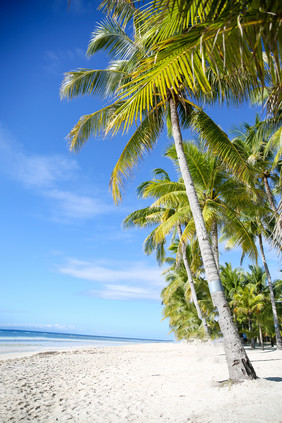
[[18, 343], [68, 334]]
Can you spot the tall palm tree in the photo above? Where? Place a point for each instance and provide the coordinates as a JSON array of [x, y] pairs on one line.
[[257, 227], [221, 196], [262, 148], [177, 108], [253, 144], [160, 215]]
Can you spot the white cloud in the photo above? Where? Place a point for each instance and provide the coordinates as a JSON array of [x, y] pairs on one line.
[[55, 326], [34, 170], [76, 206], [48, 176], [113, 272], [40, 172], [124, 292], [117, 280]]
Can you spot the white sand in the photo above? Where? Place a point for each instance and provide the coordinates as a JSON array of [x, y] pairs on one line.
[[157, 383]]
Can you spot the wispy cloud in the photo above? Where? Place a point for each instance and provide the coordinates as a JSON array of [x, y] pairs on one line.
[[33, 170], [55, 326], [75, 7], [55, 60], [124, 292], [117, 280], [48, 176], [74, 206]]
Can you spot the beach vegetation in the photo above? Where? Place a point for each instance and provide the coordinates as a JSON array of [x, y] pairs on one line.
[[175, 59]]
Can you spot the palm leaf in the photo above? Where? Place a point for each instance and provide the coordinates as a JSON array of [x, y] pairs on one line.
[[88, 81], [141, 142], [110, 36], [219, 143], [89, 125]]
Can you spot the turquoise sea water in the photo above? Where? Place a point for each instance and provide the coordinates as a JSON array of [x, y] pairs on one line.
[[18, 341]]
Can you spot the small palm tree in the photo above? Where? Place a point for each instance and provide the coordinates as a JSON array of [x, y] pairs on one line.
[[179, 292], [232, 280], [248, 304]]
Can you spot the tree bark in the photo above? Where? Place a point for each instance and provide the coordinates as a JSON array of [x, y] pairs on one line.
[[269, 193], [252, 338], [261, 337], [191, 283], [239, 365], [214, 241], [272, 298], [235, 320]]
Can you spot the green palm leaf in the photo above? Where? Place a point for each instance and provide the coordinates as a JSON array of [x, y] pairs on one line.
[[141, 142]]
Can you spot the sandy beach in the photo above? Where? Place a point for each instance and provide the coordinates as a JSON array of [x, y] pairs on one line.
[[141, 383]]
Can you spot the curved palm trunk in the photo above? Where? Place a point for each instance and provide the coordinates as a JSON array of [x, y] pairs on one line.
[[269, 193], [252, 338], [261, 337], [214, 242], [272, 298], [192, 286], [278, 218], [235, 320], [238, 363]]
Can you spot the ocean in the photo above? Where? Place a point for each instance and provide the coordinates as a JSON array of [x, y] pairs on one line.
[[24, 341]]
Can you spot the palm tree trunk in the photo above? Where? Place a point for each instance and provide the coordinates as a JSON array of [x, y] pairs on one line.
[[261, 337], [214, 241], [192, 286], [277, 216], [235, 320], [269, 194], [239, 365], [252, 338], [272, 298]]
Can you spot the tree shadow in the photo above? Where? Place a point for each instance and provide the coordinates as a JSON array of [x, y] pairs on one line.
[[274, 379], [268, 359]]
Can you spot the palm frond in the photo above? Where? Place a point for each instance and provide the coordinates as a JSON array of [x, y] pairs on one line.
[[124, 10], [141, 142], [87, 81], [144, 217], [111, 37], [219, 144], [90, 125]]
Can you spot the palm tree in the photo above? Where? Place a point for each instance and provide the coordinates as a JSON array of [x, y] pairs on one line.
[[257, 277], [253, 144], [248, 304], [178, 292], [158, 105], [232, 280], [231, 38], [220, 194], [159, 216], [178, 298], [257, 227]]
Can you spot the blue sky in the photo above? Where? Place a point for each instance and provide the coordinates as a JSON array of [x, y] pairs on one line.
[[66, 263]]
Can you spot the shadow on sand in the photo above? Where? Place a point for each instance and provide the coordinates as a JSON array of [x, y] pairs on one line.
[[274, 379]]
